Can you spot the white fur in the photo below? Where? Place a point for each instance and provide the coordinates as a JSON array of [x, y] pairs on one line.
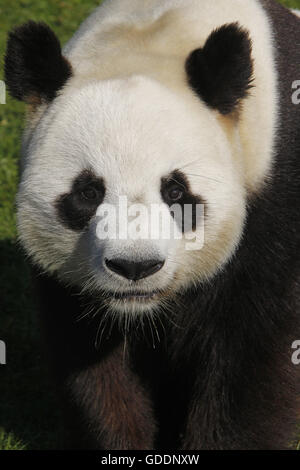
[[129, 115], [153, 38]]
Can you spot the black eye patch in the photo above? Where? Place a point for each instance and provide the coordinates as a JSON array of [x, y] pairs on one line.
[[76, 208], [175, 189]]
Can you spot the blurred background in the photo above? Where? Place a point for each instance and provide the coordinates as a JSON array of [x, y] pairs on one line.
[[28, 410]]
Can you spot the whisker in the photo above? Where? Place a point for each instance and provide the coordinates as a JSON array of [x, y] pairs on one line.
[[205, 177]]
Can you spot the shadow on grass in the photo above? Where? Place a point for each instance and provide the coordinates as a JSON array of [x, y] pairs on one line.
[[28, 407]]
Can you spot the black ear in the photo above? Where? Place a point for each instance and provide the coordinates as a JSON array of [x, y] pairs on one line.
[[221, 71], [34, 66]]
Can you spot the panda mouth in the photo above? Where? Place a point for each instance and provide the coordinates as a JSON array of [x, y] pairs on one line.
[[138, 296]]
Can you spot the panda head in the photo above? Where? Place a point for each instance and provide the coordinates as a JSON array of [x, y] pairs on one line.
[[94, 150]]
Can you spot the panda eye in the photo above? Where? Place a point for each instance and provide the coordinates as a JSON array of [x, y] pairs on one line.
[[90, 194], [175, 193]]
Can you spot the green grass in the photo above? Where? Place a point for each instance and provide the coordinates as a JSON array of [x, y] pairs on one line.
[[28, 416]]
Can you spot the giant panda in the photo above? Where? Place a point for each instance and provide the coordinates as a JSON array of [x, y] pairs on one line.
[[154, 345]]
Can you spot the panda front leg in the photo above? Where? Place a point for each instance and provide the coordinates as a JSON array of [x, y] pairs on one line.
[[246, 401], [108, 408], [105, 404]]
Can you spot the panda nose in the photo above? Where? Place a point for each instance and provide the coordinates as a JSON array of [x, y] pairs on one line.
[[134, 271]]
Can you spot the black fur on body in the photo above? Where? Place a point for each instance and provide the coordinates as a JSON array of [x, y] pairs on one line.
[[221, 376]]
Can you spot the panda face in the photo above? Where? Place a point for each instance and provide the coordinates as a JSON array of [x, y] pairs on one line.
[[103, 143]]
